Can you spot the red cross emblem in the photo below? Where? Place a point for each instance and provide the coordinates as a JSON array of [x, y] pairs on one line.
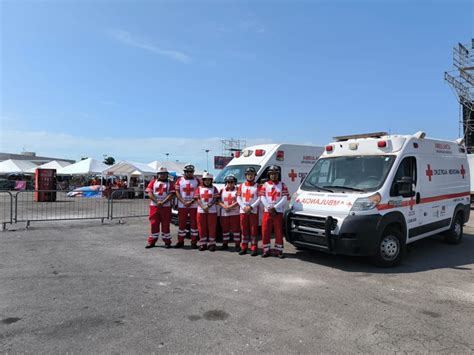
[[292, 175], [229, 199], [463, 172], [274, 194], [206, 196], [160, 189], [429, 172], [248, 195], [188, 189]]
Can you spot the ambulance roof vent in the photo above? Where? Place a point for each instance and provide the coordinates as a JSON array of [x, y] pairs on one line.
[[357, 136], [420, 135]]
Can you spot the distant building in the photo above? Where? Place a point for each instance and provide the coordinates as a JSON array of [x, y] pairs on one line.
[[31, 156]]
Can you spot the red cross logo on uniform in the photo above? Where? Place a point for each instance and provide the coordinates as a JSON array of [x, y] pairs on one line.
[[292, 175], [229, 199], [274, 194], [429, 172], [188, 189], [160, 190], [248, 195], [206, 196], [463, 172]]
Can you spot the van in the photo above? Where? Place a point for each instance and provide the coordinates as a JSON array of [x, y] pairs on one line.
[[470, 160], [373, 194], [295, 161]]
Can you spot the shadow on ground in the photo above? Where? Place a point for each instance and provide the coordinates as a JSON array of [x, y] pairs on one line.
[[425, 254]]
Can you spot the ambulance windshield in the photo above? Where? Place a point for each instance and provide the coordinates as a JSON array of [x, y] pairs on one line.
[[351, 173], [237, 170]]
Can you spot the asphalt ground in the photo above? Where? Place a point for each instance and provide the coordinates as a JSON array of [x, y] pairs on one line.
[[82, 287]]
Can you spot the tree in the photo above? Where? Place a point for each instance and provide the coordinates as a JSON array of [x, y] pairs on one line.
[[109, 161]]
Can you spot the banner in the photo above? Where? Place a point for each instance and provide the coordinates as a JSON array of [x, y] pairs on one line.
[[221, 162]]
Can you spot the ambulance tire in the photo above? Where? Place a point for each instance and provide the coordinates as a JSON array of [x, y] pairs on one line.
[[454, 234], [390, 249]]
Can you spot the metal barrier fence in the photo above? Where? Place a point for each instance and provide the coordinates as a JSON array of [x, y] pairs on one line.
[[127, 204], [6, 208], [22, 206], [60, 207]]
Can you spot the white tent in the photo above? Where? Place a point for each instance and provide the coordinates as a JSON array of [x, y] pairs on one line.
[[129, 168], [55, 164], [12, 166], [88, 166], [173, 166]]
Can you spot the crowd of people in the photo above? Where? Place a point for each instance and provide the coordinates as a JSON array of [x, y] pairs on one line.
[[198, 202]]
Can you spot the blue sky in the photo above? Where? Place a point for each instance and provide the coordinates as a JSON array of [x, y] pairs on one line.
[[137, 79]]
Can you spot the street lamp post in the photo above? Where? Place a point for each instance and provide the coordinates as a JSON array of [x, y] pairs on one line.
[[167, 154], [207, 158]]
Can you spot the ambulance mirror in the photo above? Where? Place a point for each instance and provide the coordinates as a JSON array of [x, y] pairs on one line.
[[404, 187]]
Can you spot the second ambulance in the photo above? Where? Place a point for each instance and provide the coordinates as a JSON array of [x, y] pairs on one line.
[[373, 194]]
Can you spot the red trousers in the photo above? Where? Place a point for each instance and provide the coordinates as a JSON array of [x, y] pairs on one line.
[[207, 223], [249, 227], [159, 216], [270, 223], [230, 229], [183, 214]]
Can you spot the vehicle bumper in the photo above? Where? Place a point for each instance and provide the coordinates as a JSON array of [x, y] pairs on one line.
[[358, 235]]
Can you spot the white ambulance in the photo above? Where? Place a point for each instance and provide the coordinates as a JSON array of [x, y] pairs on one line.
[[373, 194], [295, 161]]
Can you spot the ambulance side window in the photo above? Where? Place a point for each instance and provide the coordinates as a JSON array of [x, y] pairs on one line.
[[407, 168]]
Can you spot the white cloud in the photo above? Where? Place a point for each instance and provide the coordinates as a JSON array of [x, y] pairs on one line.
[[127, 38], [137, 149]]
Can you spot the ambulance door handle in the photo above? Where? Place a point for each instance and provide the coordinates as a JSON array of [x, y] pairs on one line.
[[418, 198]]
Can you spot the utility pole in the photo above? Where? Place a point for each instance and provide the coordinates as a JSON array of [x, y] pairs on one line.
[[207, 159]]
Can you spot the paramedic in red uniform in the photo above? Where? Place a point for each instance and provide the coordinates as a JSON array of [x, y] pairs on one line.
[[160, 192], [248, 200], [207, 196], [273, 195], [230, 213], [185, 189]]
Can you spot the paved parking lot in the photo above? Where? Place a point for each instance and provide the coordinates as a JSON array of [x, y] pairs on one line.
[[84, 287]]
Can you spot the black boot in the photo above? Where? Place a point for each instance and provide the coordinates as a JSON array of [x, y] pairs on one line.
[[265, 255], [243, 252], [179, 245], [254, 253]]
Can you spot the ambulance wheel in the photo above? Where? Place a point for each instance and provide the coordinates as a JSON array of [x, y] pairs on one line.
[[454, 234], [390, 248]]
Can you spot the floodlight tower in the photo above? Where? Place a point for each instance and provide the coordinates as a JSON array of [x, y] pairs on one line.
[[461, 80], [230, 146]]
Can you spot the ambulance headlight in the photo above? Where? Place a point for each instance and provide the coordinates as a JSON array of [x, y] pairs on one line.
[[366, 203], [293, 199]]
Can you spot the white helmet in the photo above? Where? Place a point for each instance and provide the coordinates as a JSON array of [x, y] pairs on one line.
[[207, 175], [162, 170]]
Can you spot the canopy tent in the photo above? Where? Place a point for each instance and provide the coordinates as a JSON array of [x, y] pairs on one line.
[[88, 166], [129, 168], [173, 166], [55, 164], [12, 166]]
